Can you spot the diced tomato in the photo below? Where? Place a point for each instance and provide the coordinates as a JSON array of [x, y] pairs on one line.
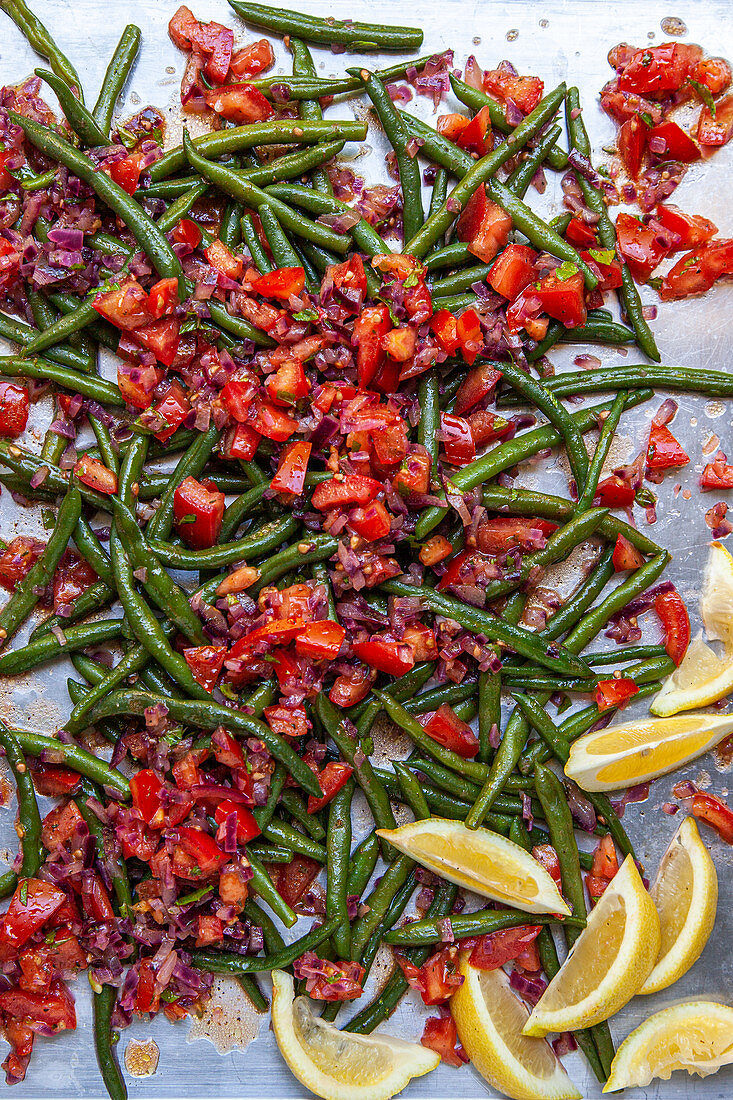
[[349, 281], [372, 522], [497, 948], [14, 408], [206, 663], [31, 906], [334, 776], [389, 442], [445, 727], [291, 471], [440, 977], [60, 825], [173, 409], [146, 998], [287, 721], [353, 489], [224, 260], [126, 307], [605, 866], [452, 126], [90, 471], [321, 640], [273, 422], [548, 858], [145, 788], [421, 640], [672, 612], [677, 144], [639, 245], [187, 232], [95, 899], [706, 807], [436, 549], [281, 283], [288, 384], [162, 338], [339, 981], [18, 559], [486, 427], [563, 299], [414, 474], [456, 440], [513, 270], [293, 879], [626, 556], [614, 693], [581, 233], [477, 136], [716, 475], [394, 658], [126, 172], [632, 143], [349, 689], [697, 271], [371, 325], [610, 277], [713, 73], [440, 1035], [260, 314], [198, 512], [525, 92], [53, 1010], [237, 396], [691, 229], [240, 103], [211, 39], [73, 576], [483, 226], [613, 492], [444, 324], [137, 384], [256, 58], [655, 69], [196, 855], [524, 313], [247, 827], [54, 780], [664, 452], [209, 929], [241, 442], [504, 533], [716, 131], [399, 343]]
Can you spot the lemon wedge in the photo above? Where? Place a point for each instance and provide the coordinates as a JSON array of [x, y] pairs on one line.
[[716, 602], [696, 1036], [702, 678], [685, 893], [479, 860], [621, 756], [489, 1020], [337, 1065], [609, 962]]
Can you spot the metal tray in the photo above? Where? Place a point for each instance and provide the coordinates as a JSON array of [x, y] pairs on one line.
[[557, 39]]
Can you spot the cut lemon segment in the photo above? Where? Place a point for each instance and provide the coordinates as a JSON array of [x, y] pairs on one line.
[[702, 678], [696, 1036], [337, 1065], [479, 860], [609, 962], [716, 602], [489, 1019], [621, 756], [685, 893]]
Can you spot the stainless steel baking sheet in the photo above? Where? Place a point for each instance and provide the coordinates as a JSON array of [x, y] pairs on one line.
[[559, 39]]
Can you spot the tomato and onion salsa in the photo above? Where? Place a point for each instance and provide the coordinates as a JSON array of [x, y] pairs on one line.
[[316, 421]]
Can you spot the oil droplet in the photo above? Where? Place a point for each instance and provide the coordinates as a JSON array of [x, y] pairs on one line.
[[141, 1058], [650, 34], [544, 22], [170, 70], [476, 41], [714, 409], [229, 1019], [512, 35], [674, 26]]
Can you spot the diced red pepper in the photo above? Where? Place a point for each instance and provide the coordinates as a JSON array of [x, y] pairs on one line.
[[90, 471], [240, 103], [614, 693], [664, 452], [281, 283], [291, 471], [14, 409], [206, 663], [394, 658], [672, 612], [483, 226], [445, 727], [332, 778], [198, 512], [626, 556]]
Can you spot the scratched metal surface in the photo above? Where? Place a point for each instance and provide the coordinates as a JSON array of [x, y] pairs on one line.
[[558, 40]]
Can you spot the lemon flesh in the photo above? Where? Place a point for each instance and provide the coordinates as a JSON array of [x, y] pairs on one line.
[[479, 860], [489, 1020], [337, 1065], [702, 678], [696, 1036], [610, 961], [685, 893], [716, 602]]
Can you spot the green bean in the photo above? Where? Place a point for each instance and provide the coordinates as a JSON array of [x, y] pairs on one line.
[[481, 923], [145, 231], [378, 901], [191, 464], [79, 118], [271, 853], [460, 282], [521, 178], [133, 661], [230, 230], [365, 236], [312, 548], [595, 200], [99, 389], [283, 252], [75, 757], [503, 764], [474, 98], [440, 191], [297, 807], [394, 911], [41, 41], [495, 629], [222, 962], [633, 375], [481, 172], [338, 847], [117, 73], [28, 827], [361, 866], [489, 711], [263, 885], [26, 594], [359, 37], [364, 774], [608, 430], [256, 251], [280, 832], [510, 453], [13, 329], [407, 165], [103, 1004], [454, 254], [209, 715], [429, 418], [628, 653], [593, 332], [412, 794], [310, 108], [589, 627]]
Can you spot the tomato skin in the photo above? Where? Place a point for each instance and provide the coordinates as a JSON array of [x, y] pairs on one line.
[[452, 125], [240, 103], [610, 274], [664, 452], [421, 640], [614, 693], [213, 40], [288, 384], [192, 498], [96, 475], [656, 69], [281, 283], [205, 663], [161, 337], [504, 533], [291, 471], [31, 906], [513, 270], [126, 173], [639, 246], [14, 409], [692, 229], [717, 474], [678, 144], [456, 440], [563, 299], [579, 232], [349, 279], [54, 780], [494, 949], [632, 143], [443, 325], [341, 981], [706, 807], [334, 776], [273, 422], [51, 1010], [371, 325], [483, 226], [477, 136], [394, 658], [371, 522], [440, 1035], [224, 260], [605, 867], [321, 640], [354, 489], [256, 58], [247, 827], [671, 609], [445, 727], [716, 131], [287, 721], [145, 788], [548, 858], [626, 556], [524, 91]]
